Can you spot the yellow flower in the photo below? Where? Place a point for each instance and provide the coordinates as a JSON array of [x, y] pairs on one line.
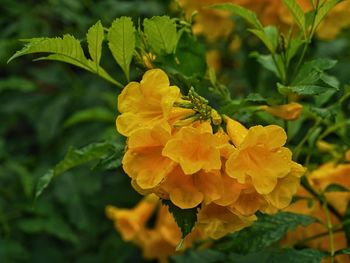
[[259, 157], [217, 221], [147, 103], [213, 24], [288, 112], [129, 222], [194, 148], [144, 161], [347, 155], [332, 173], [281, 195], [157, 242]]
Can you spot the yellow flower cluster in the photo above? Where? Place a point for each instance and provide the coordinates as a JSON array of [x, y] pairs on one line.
[[230, 175], [158, 241], [270, 12]]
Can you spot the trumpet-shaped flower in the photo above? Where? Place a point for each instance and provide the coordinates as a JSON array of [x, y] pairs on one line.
[[144, 161], [217, 221], [194, 148], [259, 157], [147, 103], [289, 111]]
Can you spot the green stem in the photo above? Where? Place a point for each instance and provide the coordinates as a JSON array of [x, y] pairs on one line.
[[333, 128], [298, 148], [326, 233], [330, 230]]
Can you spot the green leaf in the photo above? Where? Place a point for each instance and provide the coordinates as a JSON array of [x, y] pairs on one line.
[[185, 218], [91, 114], [297, 13], [121, 42], [17, 83], [189, 61], [95, 36], [335, 188], [53, 226], [276, 255], [267, 62], [242, 12], [311, 71], [161, 34], [269, 36], [73, 158], [303, 90], [324, 10], [268, 230], [202, 256], [66, 49], [345, 251], [330, 80]]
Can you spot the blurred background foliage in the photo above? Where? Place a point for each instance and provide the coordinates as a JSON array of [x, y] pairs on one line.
[[46, 107], [38, 99]]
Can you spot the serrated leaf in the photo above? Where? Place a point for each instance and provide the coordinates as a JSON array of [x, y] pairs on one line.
[[330, 80], [324, 10], [276, 255], [268, 230], [73, 158], [161, 34], [185, 218], [311, 71], [303, 90], [95, 36], [297, 13], [91, 114], [121, 42], [242, 12], [335, 188], [66, 49]]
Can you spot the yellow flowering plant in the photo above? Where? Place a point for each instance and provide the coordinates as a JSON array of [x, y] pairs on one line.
[[225, 171]]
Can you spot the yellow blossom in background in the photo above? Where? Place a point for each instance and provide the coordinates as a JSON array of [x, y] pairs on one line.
[[213, 24], [156, 242], [327, 174], [270, 12], [347, 155], [130, 222], [290, 111]]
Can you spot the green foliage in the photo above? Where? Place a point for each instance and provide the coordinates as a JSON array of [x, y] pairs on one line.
[[121, 42], [264, 233], [95, 37], [185, 218], [73, 158], [66, 49], [242, 12], [297, 13], [161, 34]]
